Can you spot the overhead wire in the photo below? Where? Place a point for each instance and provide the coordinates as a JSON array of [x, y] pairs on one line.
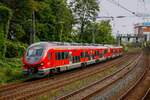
[[107, 12], [144, 5], [121, 6]]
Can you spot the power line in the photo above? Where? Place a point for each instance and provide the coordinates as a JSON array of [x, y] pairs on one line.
[[107, 12], [144, 5], [121, 6]]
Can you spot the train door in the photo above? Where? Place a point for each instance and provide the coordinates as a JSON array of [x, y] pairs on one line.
[[50, 58], [70, 57]]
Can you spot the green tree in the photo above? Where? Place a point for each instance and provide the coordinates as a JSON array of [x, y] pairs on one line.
[[101, 32], [85, 11], [105, 33], [50, 20], [63, 19], [20, 25], [5, 17], [91, 31]]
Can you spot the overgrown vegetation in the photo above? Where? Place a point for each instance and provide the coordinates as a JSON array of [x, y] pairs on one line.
[[10, 70], [23, 22]]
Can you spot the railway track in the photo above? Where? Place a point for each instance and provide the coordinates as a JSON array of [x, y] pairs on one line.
[[20, 91], [90, 90], [147, 95], [137, 90], [14, 85], [17, 85]]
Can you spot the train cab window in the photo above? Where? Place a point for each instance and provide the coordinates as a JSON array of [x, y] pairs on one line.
[[35, 52]]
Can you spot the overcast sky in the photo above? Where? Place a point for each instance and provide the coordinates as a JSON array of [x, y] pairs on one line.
[[124, 25]]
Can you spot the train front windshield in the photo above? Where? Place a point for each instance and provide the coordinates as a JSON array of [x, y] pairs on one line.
[[34, 54]]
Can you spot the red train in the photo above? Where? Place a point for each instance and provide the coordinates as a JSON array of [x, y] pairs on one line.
[[44, 58]]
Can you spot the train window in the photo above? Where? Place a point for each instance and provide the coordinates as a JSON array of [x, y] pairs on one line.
[[82, 54], [100, 55], [89, 57], [73, 59], [76, 59], [36, 51], [92, 56], [49, 56], [66, 54], [39, 52], [62, 55], [96, 52], [86, 54], [105, 51], [58, 56]]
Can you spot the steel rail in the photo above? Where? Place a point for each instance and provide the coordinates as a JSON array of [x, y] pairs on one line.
[[93, 84]]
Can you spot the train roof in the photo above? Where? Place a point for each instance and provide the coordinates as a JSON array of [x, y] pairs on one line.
[[113, 46], [62, 45]]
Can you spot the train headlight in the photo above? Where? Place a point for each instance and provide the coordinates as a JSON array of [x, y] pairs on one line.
[[42, 64]]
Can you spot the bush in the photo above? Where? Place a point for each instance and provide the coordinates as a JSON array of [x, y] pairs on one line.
[[15, 49], [11, 70], [125, 47]]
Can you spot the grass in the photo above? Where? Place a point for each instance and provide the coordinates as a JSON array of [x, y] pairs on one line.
[[10, 70]]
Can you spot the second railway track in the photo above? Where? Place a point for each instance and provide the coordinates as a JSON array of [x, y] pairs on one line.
[[88, 91], [140, 89]]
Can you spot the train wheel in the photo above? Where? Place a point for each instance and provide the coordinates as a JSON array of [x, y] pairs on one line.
[[58, 70], [83, 65], [97, 61], [51, 73]]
